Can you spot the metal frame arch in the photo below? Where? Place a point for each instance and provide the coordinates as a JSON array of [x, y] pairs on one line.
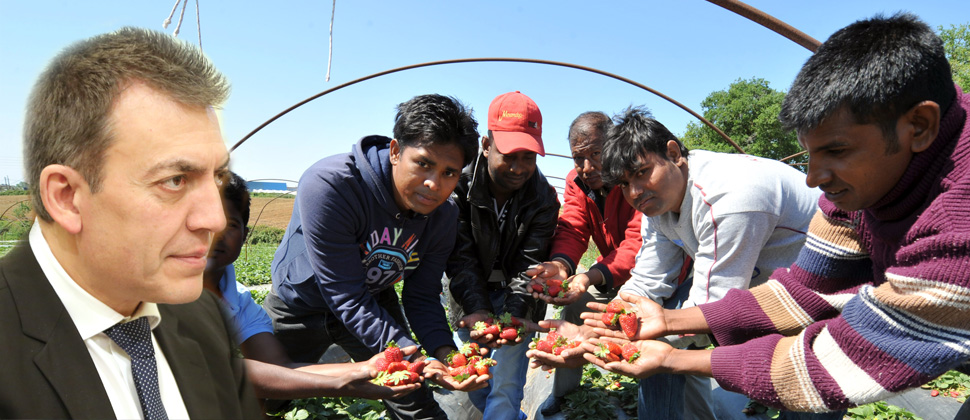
[[491, 59]]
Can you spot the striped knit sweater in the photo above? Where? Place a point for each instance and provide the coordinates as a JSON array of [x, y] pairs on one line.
[[878, 300]]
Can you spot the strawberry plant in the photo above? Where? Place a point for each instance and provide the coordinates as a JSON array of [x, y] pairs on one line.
[[599, 395], [952, 384], [880, 410]]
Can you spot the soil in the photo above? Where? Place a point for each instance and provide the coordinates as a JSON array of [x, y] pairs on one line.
[[270, 211]]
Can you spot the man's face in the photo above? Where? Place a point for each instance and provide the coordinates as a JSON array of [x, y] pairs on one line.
[[848, 161], [227, 244], [657, 185], [145, 235], [508, 172], [586, 152], [424, 176]]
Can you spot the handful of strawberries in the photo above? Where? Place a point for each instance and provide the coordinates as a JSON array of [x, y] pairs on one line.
[[394, 370], [553, 288], [467, 362], [618, 314], [553, 343], [507, 327], [612, 352]]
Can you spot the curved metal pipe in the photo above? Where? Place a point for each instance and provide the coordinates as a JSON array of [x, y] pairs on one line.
[[475, 60], [768, 21]]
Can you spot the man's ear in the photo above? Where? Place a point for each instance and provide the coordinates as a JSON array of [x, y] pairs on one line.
[[486, 144], [395, 152], [673, 151], [59, 190], [920, 124]]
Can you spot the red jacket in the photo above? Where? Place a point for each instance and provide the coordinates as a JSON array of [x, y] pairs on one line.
[[617, 237]]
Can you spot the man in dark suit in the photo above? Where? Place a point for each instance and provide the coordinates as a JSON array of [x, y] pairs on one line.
[[124, 158]]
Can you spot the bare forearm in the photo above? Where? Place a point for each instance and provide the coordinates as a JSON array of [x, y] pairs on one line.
[[688, 362], [272, 381], [686, 321]]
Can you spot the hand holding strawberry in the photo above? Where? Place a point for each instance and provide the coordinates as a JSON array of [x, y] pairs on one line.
[[643, 358], [393, 370], [646, 322], [561, 347]]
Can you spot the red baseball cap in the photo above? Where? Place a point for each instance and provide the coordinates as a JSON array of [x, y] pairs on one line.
[[516, 124]]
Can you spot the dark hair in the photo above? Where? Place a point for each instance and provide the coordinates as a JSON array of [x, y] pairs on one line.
[[877, 69], [635, 134], [234, 191], [428, 120], [67, 120], [587, 123]]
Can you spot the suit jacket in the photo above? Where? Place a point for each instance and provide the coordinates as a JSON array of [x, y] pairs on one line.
[[46, 371]]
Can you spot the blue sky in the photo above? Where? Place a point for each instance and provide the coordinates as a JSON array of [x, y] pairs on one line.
[[275, 54]]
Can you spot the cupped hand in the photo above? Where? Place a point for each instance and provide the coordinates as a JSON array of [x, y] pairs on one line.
[[650, 314], [438, 372], [648, 363]]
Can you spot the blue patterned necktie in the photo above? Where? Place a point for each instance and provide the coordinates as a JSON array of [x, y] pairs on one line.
[[135, 338]]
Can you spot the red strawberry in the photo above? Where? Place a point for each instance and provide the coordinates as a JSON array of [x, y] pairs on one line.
[[396, 378], [492, 329], [544, 346], [629, 323], [615, 305], [934, 393], [393, 353], [417, 367], [610, 318], [558, 350], [454, 371], [554, 282], [536, 287], [630, 352], [553, 336], [480, 326], [955, 394], [470, 349], [509, 333], [456, 359], [396, 366], [614, 348], [555, 291], [412, 377], [381, 364], [481, 368], [604, 353]]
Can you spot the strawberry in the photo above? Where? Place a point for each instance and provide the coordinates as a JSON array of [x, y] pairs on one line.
[[456, 359], [554, 282], [615, 305], [480, 326], [412, 377], [396, 378], [454, 371], [555, 291], [492, 329], [610, 318], [509, 333], [393, 353], [481, 367], [629, 323], [558, 350], [417, 367], [470, 349], [630, 352], [934, 393], [955, 394], [604, 353], [536, 287], [544, 346], [381, 364], [614, 348], [553, 336], [396, 366]]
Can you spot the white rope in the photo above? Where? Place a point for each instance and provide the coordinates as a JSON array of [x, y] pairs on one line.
[[168, 20], [198, 22], [181, 16], [330, 55]]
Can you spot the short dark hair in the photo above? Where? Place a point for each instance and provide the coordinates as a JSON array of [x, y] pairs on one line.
[[234, 191], [877, 69], [588, 122], [67, 113], [428, 120], [635, 134]]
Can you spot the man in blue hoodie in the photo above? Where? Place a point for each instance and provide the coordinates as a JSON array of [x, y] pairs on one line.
[[363, 221]]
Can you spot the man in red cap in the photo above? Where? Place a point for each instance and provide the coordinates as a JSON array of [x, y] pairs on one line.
[[507, 214]]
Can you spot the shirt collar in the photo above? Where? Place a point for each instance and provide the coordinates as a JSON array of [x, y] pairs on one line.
[[90, 315]]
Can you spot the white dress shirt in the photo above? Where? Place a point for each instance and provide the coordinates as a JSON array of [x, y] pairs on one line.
[[92, 317]]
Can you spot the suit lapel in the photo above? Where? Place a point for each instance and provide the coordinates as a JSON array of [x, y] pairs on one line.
[[62, 358], [189, 367]]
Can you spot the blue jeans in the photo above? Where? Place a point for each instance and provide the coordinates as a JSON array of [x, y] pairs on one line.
[[503, 396], [662, 397]]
